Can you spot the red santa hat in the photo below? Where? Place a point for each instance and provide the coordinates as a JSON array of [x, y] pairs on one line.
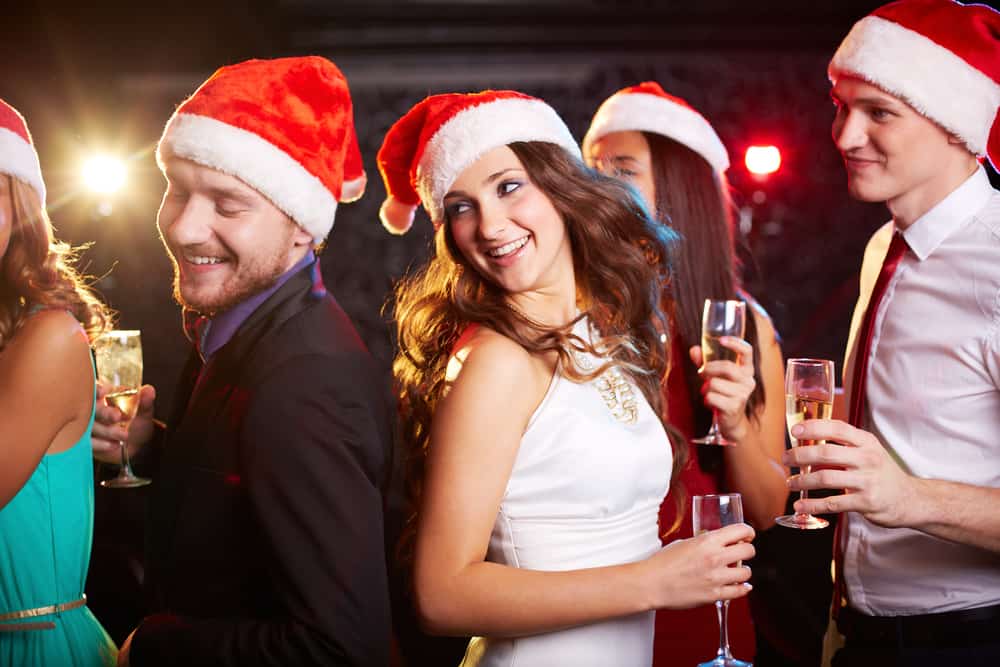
[[426, 150], [285, 127], [940, 57], [648, 108], [18, 157]]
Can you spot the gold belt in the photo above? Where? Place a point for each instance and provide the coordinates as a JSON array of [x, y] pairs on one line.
[[37, 611]]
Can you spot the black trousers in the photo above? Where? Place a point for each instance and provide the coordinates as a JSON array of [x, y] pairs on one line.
[[967, 637]]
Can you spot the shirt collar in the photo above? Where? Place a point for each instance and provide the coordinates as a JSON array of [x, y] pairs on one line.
[[221, 328], [950, 214]]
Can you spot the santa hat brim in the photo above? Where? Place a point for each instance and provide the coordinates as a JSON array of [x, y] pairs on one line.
[[19, 159], [475, 131], [930, 78], [255, 161], [642, 112]]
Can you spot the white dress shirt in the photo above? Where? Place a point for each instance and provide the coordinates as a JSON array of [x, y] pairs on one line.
[[933, 393]]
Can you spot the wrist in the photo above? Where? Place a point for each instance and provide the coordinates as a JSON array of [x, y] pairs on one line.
[[738, 431], [640, 593], [914, 503]]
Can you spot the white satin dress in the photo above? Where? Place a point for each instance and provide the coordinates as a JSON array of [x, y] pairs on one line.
[[584, 492]]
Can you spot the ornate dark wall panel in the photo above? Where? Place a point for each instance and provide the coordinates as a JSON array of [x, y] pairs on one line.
[[757, 70]]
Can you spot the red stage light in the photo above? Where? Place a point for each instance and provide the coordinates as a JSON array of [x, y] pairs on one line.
[[763, 160]]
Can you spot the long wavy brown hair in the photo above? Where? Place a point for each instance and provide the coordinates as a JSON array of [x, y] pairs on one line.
[[693, 199], [621, 262], [37, 270]]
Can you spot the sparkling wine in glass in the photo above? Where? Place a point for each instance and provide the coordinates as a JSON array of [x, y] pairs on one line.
[[119, 368], [720, 318], [809, 386], [711, 513]]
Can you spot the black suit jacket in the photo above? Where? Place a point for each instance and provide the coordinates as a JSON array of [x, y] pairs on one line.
[[265, 535]]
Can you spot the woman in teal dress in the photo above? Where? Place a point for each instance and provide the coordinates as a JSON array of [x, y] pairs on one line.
[[47, 395]]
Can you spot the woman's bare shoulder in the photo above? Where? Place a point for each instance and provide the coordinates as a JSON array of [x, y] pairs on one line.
[[52, 334], [486, 347]]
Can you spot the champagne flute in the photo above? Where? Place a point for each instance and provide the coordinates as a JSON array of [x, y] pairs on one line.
[[720, 318], [711, 513], [809, 387], [119, 368]]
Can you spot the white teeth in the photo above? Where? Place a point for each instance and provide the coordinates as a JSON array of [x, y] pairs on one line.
[[508, 248], [205, 260]]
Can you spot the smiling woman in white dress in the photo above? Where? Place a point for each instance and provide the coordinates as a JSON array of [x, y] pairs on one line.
[[531, 356]]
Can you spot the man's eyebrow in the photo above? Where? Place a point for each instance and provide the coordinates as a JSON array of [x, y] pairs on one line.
[[870, 100], [222, 192]]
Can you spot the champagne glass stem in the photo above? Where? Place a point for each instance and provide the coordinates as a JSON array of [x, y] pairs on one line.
[[714, 431], [804, 493], [126, 469], [126, 478], [714, 435], [722, 611]]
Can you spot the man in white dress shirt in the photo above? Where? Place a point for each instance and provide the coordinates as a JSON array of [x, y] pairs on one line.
[[916, 85]]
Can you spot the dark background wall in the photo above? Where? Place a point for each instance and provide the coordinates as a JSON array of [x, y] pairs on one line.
[[107, 76]]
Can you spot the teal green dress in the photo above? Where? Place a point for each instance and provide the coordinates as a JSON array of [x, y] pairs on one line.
[[45, 538]]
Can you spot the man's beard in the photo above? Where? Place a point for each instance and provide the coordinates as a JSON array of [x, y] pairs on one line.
[[234, 291]]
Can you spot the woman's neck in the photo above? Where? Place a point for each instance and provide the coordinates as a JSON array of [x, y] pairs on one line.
[[546, 308]]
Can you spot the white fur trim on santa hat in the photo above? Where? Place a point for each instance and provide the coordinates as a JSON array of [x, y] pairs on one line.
[[396, 216], [933, 80], [255, 161], [19, 159], [642, 112], [475, 131], [352, 190]]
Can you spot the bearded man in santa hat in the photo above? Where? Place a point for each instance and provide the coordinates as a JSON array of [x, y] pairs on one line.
[[265, 530]]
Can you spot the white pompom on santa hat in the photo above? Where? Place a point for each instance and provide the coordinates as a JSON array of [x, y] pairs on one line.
[[18, 157], [429, 147], [646, 107], [285, 127], [940, 57]]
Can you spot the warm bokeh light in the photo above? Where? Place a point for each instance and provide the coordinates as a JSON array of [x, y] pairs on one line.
[[104, 174], [763, 160]]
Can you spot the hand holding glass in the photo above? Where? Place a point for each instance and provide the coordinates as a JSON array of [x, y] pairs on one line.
[[809, 386], [119, 369], [711, 513], [720, 318]]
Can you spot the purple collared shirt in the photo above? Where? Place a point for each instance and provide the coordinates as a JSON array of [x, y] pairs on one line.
[[222, 327]]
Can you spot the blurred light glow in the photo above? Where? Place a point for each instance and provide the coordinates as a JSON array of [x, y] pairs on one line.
[[104, 174], [763, 160]]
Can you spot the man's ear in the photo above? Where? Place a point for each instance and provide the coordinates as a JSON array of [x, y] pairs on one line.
[[301, 237]]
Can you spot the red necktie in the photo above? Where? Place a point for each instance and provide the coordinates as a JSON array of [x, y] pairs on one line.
[[896, 251]]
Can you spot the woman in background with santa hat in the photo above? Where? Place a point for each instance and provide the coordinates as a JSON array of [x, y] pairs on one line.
[[48, 318], [676, 161], [529, 370]]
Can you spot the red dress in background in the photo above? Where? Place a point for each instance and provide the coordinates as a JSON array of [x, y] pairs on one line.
[[687, 637]]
